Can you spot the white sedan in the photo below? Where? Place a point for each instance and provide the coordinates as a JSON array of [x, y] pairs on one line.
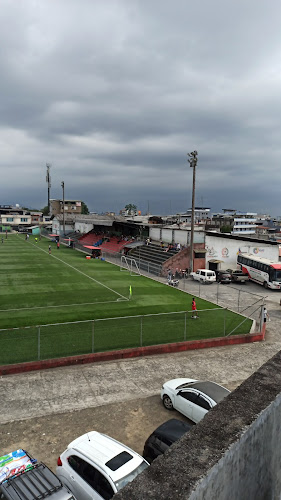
[[191, 397]]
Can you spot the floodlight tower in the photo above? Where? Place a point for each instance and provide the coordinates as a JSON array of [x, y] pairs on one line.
[[48, 180], [193, 162], [62, 185]]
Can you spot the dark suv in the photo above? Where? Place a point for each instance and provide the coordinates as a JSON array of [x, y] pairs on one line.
[[23, 478], [224, 277], [163, 437]]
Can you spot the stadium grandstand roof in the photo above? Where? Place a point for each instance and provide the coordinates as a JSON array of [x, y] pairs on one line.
[[92, 218]]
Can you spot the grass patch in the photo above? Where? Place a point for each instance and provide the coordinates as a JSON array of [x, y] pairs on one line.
[[39, 289]]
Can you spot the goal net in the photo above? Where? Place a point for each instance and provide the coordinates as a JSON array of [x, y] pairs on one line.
[[129, 264]]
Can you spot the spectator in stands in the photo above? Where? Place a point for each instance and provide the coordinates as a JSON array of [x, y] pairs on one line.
[[178, 246]]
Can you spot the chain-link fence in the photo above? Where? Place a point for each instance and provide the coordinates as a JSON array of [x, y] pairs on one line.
[[100, 335], [230, 296]]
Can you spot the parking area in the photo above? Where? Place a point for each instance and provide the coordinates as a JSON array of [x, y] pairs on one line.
[[43, 411]]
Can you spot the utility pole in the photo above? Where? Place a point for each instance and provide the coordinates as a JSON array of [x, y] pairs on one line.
[[193, 162], [63, 219], [48, 180]]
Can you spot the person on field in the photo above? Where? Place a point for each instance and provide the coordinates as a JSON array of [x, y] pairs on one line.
[[194, 309], [58, 245], [50, 249]]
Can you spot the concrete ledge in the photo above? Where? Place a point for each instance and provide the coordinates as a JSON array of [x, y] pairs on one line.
[[131, 353]]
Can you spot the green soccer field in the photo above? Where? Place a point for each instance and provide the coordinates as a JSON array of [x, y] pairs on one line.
[[67, 292]]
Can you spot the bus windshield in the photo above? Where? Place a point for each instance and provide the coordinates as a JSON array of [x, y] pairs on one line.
[[275, 275]]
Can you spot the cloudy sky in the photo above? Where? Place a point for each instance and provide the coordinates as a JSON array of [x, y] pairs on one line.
[[115, 93]]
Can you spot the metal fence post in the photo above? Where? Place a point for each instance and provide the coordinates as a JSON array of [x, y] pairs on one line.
[[93, 336], [239, 300], [141, 331], [185, 326], [217, 294], [224, 322], [38, 343]]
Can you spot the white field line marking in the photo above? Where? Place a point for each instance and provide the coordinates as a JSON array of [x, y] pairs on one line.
[[62, 305], [81, 272]]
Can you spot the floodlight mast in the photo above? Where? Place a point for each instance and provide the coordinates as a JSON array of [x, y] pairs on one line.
[[48, 180], [193, 162], [62, 185]]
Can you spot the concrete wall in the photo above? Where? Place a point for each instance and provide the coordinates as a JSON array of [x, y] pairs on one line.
[[182, 236], [57, 227], [234, 453], [227, 250], [181, 260], [83, 227]]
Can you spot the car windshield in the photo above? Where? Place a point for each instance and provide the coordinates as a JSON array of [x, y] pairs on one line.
[[127, 479]]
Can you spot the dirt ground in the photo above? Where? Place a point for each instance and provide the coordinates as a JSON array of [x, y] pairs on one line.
[[130, 422]]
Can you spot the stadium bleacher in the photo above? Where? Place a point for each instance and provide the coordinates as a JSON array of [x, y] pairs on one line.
[[104, 241]]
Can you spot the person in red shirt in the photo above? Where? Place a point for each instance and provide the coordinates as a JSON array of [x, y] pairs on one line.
[[194, 309]]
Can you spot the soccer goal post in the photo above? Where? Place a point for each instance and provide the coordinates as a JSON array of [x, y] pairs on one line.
[[129, 264]]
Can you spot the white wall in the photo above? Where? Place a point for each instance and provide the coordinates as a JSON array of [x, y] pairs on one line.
[[167, 235], [57, 228], [182, 236], [226, 250], [154, 233], [83, 227]]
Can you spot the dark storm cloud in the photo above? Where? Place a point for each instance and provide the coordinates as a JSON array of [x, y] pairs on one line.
[[114, 94]]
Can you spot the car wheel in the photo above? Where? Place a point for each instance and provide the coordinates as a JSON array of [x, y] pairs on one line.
[[265, 284], [167, 402]]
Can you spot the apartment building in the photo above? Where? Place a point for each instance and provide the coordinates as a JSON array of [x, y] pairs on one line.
[[57, 207]]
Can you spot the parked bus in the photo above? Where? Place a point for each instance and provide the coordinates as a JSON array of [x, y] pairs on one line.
[[262, 271]]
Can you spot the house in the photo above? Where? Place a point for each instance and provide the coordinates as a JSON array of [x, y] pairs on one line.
[[69, 207]]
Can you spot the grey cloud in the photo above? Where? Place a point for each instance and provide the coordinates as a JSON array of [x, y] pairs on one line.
[[114, 94]]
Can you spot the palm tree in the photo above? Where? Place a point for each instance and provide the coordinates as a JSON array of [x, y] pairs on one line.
[[131, 209]]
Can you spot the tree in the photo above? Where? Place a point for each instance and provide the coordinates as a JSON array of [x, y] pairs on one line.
[[226, 229], [131, 209], [45, 210], [84, 208]]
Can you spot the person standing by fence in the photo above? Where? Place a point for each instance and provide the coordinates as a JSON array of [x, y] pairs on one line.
[[194, 309]]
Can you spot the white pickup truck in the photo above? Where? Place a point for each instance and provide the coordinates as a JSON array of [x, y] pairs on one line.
[[204, 276]]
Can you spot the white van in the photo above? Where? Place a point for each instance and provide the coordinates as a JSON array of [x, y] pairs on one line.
[[204, 276]]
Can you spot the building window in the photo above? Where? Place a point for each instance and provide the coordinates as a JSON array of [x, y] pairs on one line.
[[10, 219], [23, 219]]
